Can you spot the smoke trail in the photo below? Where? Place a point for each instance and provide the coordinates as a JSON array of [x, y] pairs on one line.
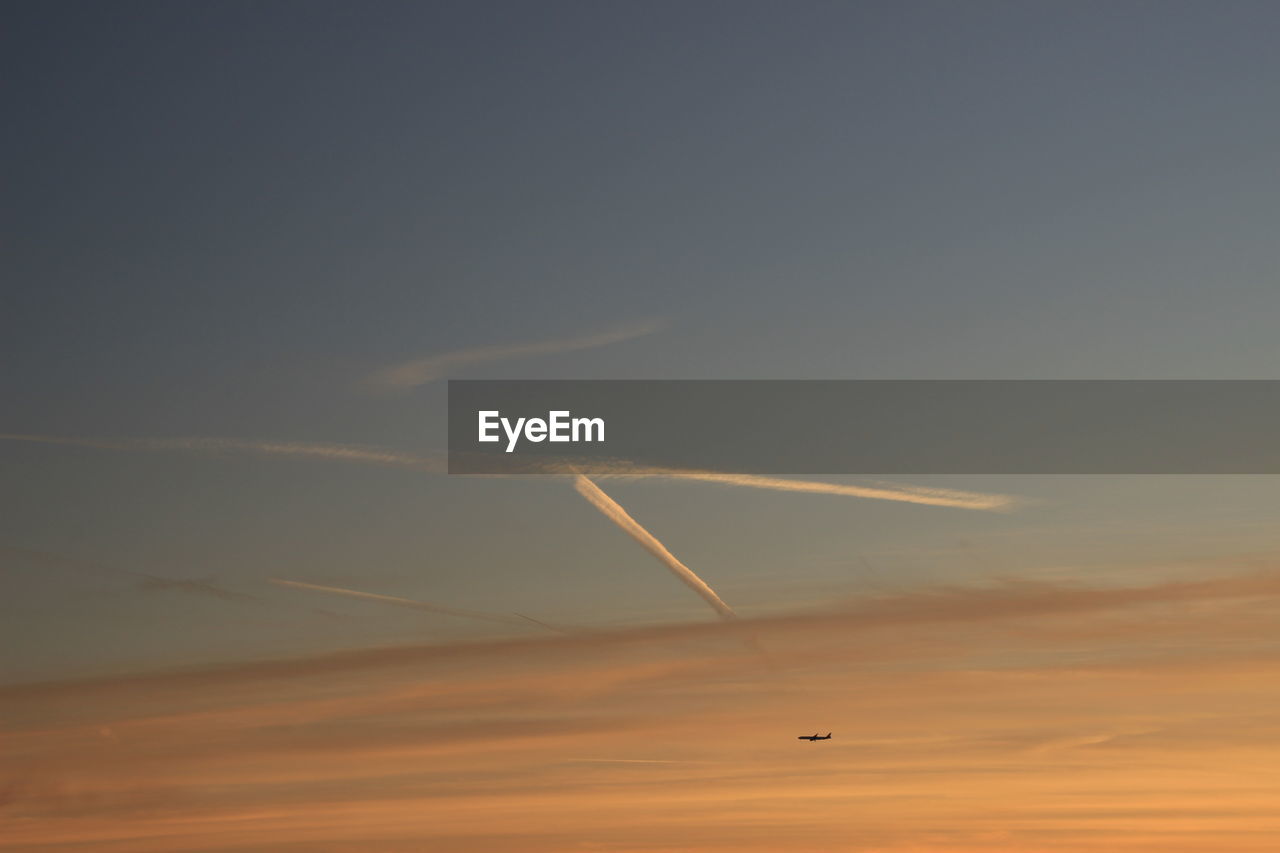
[[420, 371], [416, 605], [619, 516]]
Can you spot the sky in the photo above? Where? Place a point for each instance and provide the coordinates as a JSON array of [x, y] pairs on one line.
[[243, 608]]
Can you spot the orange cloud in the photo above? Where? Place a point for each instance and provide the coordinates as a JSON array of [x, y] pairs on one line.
[[1014, 718]]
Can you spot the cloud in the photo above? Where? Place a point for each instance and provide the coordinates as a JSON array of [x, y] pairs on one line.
[[145, 580], [632, 761], [199, 587], [615, 513], [1004, 719], [413, 604], [419, 371], [316, 450], [943, 606]]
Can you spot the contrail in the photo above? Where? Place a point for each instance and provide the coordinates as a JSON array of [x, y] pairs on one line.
[[880, 491], [337, 452], [553, 628], [613, 469], [416, 605], [619, 516], [420, 371]]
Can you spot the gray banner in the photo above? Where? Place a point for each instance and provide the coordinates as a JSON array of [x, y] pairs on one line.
[[867, 426]]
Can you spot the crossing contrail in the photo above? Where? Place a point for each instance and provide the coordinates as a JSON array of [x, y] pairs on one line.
[[649, 542], [435, 464]]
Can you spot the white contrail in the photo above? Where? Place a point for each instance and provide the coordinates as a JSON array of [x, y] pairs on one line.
[[339, 452], [879, 491], [623, 470], [619, 516], [420, 371], [612, 469]]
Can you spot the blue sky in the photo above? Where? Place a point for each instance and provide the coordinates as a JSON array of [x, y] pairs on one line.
[[245, 243], [223, 217]]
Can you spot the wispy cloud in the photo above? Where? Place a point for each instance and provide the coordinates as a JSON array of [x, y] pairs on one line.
[[1109, 723], [619, 516], [414, 604], [199, 444], [420, 371], [144, 580], [938, 605]]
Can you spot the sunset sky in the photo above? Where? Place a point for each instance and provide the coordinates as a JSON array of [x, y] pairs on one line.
[[244, 608]]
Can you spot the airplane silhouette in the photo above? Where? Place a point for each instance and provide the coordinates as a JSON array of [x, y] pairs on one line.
[[815, 736]]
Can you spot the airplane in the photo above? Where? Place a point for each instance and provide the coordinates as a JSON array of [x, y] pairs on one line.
[[815, 736]]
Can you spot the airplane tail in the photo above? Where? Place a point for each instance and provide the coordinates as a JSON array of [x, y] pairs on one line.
[[828, 734]]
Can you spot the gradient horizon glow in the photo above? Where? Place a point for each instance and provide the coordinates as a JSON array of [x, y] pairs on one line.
[[243, 608]]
